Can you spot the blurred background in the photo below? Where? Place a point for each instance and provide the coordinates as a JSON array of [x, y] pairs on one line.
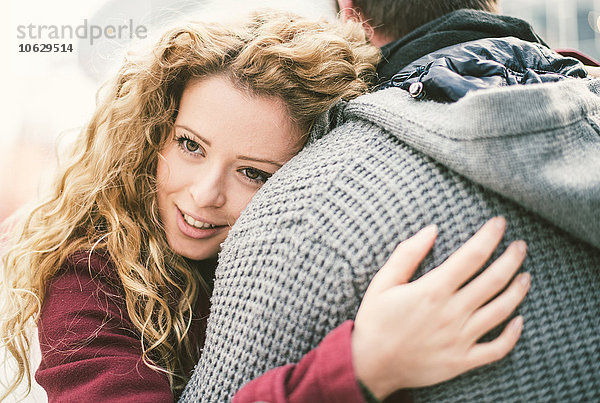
[[47, 97], [573, 24]]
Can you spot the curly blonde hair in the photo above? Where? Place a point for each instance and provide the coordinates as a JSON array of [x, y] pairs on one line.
[[104, 197]]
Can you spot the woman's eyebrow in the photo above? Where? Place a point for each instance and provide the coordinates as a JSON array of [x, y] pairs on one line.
[[245, 158], [194, 133], [240, 157]]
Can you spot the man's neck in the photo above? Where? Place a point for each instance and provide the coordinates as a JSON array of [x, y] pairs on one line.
[[379, 40]]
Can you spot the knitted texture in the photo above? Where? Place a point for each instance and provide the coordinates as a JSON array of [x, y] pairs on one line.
[[548, 162], [300, 257]]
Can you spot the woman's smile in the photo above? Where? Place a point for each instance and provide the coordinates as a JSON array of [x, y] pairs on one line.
[[195, 229]]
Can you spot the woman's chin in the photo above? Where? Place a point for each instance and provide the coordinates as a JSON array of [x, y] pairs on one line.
[[198, 255], [196, 251]]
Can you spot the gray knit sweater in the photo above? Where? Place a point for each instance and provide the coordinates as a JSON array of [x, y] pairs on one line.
[[300, 257]]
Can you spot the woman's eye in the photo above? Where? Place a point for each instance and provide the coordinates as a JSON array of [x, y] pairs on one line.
[[189, 145], [256, 175]]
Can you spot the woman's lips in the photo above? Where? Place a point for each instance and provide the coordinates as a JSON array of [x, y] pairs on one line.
[[196, 233]]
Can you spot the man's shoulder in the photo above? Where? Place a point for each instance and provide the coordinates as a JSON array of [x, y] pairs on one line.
[[385, 136], [497, 112]]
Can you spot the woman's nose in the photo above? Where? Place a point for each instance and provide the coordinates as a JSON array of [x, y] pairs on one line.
[[208, 188]]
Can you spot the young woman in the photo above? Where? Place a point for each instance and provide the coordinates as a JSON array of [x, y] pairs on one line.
[[115, 266]]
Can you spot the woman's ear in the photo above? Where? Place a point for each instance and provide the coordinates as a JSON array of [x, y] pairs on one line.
[[347, 10]]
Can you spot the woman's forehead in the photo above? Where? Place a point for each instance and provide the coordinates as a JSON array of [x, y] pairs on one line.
[[222, 114]]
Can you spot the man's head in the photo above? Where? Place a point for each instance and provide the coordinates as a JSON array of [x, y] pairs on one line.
[[392, 19]]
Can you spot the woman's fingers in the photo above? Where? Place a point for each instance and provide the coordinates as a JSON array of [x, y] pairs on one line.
[[485, 353], [404, 260], [492, 280], [470, 257], [424, 325], [496, 311]]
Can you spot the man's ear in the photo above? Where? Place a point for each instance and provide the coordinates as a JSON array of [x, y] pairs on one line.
[[348, 11]]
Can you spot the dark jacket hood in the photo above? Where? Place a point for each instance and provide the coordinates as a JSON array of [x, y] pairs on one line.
[[457, 27]]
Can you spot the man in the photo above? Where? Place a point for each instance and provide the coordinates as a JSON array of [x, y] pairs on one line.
[[301, 256]]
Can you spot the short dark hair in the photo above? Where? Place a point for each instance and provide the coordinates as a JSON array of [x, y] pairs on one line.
[[396, 18]]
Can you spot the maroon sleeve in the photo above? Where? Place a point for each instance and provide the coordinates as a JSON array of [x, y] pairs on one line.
[[325, 375], [576, 54], [90, 349]]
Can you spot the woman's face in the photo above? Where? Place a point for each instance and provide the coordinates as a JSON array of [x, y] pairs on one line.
[[225, 145]]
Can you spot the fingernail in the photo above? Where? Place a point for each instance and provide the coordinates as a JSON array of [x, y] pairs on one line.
[[429, 230], [525, 279], [516, 324], [521, 246], [500, 222]]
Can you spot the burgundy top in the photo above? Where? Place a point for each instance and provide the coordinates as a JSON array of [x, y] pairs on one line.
[[91, 351]]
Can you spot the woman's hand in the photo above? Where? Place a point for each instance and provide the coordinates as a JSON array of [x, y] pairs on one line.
[[425, 332]]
